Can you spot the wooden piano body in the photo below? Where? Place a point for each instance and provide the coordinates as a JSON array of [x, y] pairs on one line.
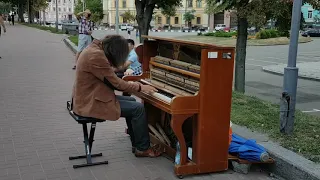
[[195, 90]]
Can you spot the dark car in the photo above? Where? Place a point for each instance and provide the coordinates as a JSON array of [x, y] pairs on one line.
[[186, 29], [311, 33]]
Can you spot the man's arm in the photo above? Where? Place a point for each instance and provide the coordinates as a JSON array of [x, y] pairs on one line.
[[78, 16], [102, 70]]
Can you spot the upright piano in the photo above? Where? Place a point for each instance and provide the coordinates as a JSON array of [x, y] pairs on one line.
[[193, 102]]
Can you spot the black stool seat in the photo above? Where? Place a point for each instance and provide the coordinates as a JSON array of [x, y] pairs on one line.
[[81, 119], [88, 138]]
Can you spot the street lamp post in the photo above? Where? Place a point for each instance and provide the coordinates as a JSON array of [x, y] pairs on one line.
[[57, 16], [290, 78], [117, 16]]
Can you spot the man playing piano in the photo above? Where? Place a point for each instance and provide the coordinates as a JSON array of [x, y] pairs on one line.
[[93, 92]]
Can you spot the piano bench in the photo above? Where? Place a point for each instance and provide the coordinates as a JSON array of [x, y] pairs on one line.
[[88, 140]]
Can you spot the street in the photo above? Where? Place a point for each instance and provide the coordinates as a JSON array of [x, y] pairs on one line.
[[265, 85], [37, 134]]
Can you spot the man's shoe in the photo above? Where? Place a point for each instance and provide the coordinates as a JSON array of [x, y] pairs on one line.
[[74, 67], [154, 151], [133, 149]]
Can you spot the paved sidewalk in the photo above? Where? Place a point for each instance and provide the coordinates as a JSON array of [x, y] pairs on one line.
[[36, 132], [307, 70]]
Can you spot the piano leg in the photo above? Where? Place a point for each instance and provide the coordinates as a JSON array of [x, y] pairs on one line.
[[176, 125]]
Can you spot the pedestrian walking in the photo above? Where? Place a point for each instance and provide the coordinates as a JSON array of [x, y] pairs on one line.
[[85, 31], [12, 14], [129, 33], [2, 24]]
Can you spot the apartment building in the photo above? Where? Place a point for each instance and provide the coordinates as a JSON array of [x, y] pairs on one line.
[[310, 14], [201, 18], [65, 10]]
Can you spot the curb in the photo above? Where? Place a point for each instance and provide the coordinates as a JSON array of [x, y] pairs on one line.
[[70, 45], [288, 165], [281, 73]]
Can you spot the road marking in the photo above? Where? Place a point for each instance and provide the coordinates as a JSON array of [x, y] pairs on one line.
[[314, 110]]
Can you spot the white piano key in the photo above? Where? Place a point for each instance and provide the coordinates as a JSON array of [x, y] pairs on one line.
[[162, 97]]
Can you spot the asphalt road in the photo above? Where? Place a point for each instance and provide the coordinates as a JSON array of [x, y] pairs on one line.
[[265, 85]]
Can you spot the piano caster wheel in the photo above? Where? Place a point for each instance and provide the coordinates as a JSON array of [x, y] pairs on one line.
[[69, 105], [180, 176]]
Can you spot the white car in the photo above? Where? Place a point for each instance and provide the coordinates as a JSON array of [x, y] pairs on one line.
[[220, 27], [125, 27]]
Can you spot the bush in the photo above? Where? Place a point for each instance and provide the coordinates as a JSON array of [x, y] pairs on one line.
[[266, 34], [221, 34], [273, 33]]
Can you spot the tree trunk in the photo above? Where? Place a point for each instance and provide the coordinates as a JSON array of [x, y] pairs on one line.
[[20, 13], [241, 52], [144, 16]]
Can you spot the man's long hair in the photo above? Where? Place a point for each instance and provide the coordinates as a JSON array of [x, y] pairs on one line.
[[116, 49]]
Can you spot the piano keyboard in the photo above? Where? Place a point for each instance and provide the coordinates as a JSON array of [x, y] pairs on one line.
[[162, 97]]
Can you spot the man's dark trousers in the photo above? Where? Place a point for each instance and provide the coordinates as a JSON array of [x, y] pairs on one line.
[[135, 116]]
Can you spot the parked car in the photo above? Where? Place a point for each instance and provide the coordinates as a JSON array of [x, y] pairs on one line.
[[220, 27], [311, 33], [186, 29], [125, 27]]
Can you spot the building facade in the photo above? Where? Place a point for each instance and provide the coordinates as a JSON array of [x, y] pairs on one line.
[[310, 14], [159, 20], [65, 10]]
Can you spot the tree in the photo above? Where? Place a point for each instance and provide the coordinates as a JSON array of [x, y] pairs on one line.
[[189, 16], [95, 6], [128, 16], [145, 9], [5, 7], [169, 12], [261, 10]]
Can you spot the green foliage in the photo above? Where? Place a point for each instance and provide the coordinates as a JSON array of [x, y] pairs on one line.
[[44, 28], [128, 16], [264, 117], [169, 11], [189, 15], [95, 6], [39, 5], [5, 7], [74, 39], [221, 34], [268, 33]]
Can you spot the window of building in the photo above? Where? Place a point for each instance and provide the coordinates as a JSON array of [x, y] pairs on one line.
[[59, 9], [199, 3], [168, 20], [69, 9], [64, 1], [176, 20], [309, 14], [64, 9], [190, 3], [115, 3], [198, 20], [124, 3], [159, 20], [54, 9]]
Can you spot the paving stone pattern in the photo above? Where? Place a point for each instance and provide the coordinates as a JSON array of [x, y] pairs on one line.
[[36, 132]]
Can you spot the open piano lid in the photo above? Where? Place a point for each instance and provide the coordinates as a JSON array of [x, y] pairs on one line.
[[194, 43]]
